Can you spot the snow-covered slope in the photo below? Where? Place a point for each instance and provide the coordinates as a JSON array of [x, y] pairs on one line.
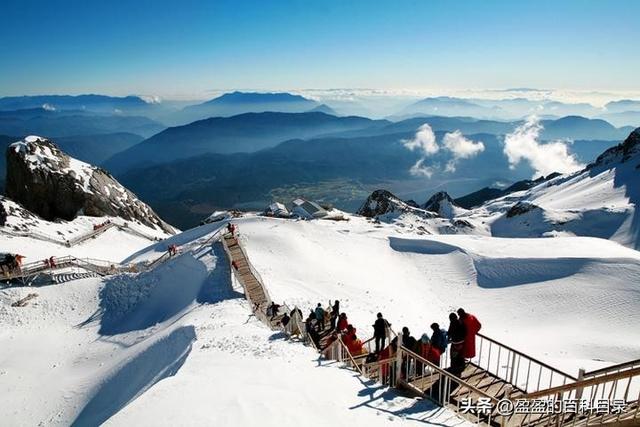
[[22, 232], [177, 344], [569, 284], [599, 201]]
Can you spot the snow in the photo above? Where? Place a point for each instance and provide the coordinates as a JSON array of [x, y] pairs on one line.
[[173, 345]]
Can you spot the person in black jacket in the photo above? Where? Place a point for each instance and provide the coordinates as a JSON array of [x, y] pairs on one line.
[[285, 320], [380, 332], [407, 340], [335, 312], [457, 332]]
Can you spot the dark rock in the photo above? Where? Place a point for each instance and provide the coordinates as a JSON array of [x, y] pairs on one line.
[[521, 208], [382, 202], [461, 223], [3, 215], [379, 203], [53, 185], [621, 152], [439, 202]]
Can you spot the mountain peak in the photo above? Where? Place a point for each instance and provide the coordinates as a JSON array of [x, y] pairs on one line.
[[257, 97], [442, 204], [383, 202], [323, 108], [53, 185]]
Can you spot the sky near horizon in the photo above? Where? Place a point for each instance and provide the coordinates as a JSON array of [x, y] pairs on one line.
[[195, 48]]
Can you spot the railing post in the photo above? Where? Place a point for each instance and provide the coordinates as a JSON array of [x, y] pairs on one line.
[[507, 395], [399, 360], [580, 378], [513, 367]]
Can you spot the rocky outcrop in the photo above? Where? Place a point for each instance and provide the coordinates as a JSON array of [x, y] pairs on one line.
[[521, 208], [49, 183], [621, 152], [380, 202], [383, 202]]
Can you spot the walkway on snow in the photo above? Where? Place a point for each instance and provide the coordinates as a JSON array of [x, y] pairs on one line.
[[497, 374]]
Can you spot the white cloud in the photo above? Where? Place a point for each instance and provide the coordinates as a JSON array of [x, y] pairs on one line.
[[424, 141], [418, 169], [522, 144], [460, 148]]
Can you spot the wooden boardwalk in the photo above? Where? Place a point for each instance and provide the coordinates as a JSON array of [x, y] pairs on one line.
[[253, 287]]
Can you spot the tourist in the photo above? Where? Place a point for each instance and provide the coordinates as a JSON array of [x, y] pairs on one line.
[[472, 326], [380, 332]]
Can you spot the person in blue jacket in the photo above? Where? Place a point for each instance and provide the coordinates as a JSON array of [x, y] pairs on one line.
[[320, 317]]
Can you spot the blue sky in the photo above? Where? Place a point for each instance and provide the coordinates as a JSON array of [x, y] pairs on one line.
[[191, 48]]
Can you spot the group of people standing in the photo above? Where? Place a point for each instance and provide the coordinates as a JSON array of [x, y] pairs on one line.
[[461, 336], [331, 322]]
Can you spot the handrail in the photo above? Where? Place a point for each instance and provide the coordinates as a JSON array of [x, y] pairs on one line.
[[345, 348], [447, 374], [583, 383], [80, 238], [612, 368], [558, 371]]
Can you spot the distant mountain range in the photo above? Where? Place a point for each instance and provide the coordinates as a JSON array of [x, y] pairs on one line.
[[95, 103], [242, 133], [338, 170], [505, 109], [624, 105], [288, 145], [54, 123]]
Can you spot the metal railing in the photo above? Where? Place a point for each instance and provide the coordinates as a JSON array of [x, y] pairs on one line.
[[522, 371], [34, 234], [29, 271], [422, 377], [613, 388]]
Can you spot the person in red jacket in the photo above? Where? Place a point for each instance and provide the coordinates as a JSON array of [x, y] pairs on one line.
[[386, 369], [472, 326], [428, 350], [354, 345], [349, 333], [342, 322]]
